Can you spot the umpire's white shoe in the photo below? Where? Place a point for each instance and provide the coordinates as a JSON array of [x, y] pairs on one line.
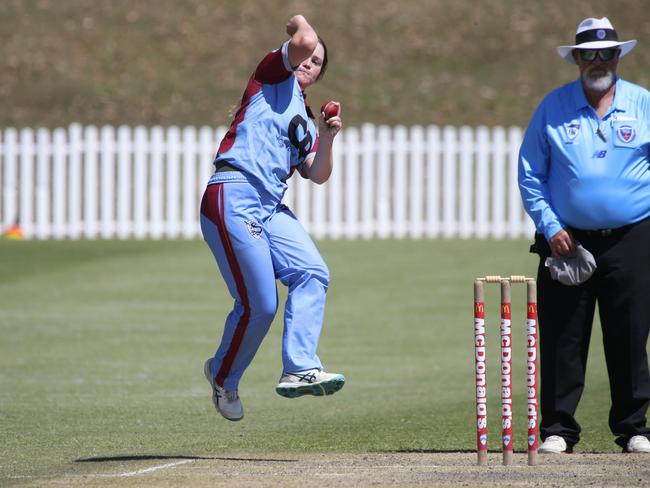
[[310, 382], [226, 402], [553, 444], [638, 443]]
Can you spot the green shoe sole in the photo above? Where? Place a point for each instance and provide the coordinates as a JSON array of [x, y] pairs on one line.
[[323, 388]]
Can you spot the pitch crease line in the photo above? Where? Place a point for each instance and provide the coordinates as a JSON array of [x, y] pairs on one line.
[[151, 470]]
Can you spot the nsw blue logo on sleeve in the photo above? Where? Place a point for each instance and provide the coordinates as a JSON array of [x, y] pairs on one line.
[[626, 133]]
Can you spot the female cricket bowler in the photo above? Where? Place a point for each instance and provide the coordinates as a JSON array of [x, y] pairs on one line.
[[256, 239]]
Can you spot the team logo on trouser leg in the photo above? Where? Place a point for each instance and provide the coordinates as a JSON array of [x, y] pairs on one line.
[[254, 229]]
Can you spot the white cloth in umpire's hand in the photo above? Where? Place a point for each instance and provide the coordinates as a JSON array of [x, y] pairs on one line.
[[572, 269]]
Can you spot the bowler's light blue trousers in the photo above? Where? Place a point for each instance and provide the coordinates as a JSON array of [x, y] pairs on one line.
[[254, 244]]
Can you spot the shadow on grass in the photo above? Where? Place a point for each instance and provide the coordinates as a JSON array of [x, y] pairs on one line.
[[430, 451], [145, 457]]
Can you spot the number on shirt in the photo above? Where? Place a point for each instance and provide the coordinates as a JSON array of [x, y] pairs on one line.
[[297, 127]]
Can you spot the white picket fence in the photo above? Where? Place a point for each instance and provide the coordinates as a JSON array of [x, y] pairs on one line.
[[388, 182]]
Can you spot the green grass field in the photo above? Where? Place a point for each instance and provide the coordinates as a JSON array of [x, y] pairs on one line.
[[103, 345]]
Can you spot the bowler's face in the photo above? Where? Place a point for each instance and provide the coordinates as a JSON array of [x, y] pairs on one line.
[[308, 71]]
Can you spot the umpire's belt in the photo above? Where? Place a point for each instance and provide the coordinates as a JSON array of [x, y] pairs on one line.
[[602, 232]]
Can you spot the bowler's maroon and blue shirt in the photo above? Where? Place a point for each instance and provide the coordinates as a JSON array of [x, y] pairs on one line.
[[271, 133]]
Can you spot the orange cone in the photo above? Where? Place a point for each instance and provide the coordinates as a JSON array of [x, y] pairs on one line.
[[14, 232]]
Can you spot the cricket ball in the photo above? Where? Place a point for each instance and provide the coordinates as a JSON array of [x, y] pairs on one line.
[[330, 109]]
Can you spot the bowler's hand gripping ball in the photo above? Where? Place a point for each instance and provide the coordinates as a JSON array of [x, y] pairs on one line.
[[330, 109]]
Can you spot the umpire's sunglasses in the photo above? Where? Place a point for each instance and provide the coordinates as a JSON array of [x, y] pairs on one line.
[[603, 54]]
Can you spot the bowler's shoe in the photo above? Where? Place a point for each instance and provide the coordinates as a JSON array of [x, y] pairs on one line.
[[226, 402], [310, 382]]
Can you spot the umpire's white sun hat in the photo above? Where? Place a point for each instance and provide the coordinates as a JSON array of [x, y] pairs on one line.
[[595, 34]]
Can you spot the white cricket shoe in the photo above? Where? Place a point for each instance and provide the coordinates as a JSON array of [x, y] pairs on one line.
[[638, 443], [226, 402], [554, 444], [310, 382]]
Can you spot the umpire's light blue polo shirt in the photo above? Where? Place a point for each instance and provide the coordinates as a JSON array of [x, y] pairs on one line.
[[578, 171]]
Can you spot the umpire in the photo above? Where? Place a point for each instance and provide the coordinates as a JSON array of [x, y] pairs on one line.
[[584, 178]]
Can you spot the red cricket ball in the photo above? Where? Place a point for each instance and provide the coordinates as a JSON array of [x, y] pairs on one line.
[[330, 109]]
